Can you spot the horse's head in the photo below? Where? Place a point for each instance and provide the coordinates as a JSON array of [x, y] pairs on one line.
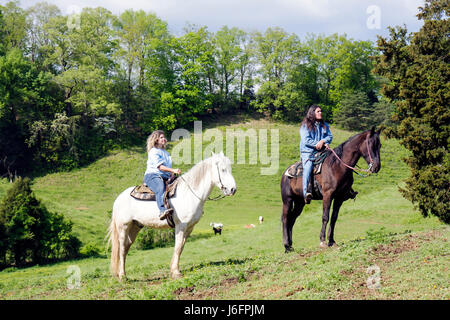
[[371, 150], [221, 174]]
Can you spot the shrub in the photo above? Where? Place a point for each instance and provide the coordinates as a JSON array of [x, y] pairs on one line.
[[33, 234], [90, 250], [153, 238], [354, 112]]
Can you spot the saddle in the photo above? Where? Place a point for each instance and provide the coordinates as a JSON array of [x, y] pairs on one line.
[[144, 193], [296, 170]]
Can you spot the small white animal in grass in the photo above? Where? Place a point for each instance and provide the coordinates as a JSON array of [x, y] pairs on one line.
[[217, 227], [261, 219]]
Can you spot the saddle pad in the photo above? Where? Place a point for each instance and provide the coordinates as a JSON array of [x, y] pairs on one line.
[[296, 170], [142, 192]]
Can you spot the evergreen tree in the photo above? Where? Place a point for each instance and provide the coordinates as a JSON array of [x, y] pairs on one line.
[[418, 69], [32, 233], [355, 112]]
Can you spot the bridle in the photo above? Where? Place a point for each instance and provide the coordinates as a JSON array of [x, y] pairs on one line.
[[357, 168], [222, 187]]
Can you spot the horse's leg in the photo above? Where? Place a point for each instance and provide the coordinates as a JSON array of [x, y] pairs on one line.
[[299, 203], [123, 235], [325, 216], [132, 234], [181, 234], [336, 206], [127, 235], [287, 227]]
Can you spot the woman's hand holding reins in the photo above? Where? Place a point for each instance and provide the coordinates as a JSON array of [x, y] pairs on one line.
[[319, 144]]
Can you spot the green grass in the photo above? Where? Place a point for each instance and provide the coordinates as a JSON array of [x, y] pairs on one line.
[[379, 228]]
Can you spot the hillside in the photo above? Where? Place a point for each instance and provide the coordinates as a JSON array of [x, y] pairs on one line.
[[379, 228]]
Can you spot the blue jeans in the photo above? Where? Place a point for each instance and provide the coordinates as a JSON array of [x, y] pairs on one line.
[[155, 182], [307, 169]]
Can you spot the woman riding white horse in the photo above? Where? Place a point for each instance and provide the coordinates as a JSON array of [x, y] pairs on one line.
[[130, 215], [159, 168]]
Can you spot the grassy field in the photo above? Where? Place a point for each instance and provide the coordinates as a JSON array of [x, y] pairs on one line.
[[378, 231]]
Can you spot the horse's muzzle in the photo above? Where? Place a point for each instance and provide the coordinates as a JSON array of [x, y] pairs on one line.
[[375, 167], [229, 192]]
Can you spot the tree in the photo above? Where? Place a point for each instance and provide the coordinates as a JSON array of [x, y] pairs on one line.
[[192, 61], [15, 24], [34, 235], [26, 95], [418, 69], [227, 44], [2, 33], [141, 57], [279, 55], [343, 65], [355, 112], [37, 17]]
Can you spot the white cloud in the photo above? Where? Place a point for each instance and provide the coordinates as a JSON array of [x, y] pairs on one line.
[[295, 16]]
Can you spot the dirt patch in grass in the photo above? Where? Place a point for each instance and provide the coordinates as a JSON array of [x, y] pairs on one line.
[[209, 293], [184, 291], [381, 256]]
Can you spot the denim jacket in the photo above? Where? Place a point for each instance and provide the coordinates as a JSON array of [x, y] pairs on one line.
[[309, 139]]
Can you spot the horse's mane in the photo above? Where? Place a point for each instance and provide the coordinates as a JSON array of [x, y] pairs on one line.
[[340, 149], [197, 172]]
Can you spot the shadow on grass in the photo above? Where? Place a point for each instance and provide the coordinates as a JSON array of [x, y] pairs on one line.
[[226, 262]]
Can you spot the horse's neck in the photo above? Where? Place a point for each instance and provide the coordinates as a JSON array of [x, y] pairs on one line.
[[351, 153], [198, 180]]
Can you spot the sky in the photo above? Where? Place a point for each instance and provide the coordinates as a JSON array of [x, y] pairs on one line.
[[359, 19]]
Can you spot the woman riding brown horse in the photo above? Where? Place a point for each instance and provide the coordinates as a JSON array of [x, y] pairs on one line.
[[335, 180]]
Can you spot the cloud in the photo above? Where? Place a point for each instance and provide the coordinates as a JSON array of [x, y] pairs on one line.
[[294, 16]]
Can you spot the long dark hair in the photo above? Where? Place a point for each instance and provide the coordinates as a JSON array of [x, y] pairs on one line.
[[310, 118]]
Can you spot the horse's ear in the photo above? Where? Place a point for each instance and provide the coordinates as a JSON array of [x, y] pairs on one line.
[[379, 130], [221, 154], [372, 131]]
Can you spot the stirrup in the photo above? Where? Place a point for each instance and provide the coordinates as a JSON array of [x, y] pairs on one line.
[[353, 194], [163, 215], [308, 198]]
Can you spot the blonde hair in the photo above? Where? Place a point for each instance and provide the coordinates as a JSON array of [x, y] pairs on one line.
[[151, 140]]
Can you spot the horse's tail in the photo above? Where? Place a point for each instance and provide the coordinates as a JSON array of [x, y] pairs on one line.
[[115, 246]]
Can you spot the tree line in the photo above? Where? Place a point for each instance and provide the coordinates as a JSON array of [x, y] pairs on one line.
[[74, 86]]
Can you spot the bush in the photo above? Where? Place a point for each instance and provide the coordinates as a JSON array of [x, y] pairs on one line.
[[90, 250], [153, 238], [33, 234], [354, 112]]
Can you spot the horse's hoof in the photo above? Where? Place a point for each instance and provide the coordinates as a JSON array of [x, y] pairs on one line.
[[333, 245], [323, 244], [288, 249], [122, 278], [176, 275]]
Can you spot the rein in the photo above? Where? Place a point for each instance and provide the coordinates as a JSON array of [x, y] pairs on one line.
[[355, 169]]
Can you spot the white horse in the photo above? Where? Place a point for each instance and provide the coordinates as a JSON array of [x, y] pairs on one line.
[[130, 215]]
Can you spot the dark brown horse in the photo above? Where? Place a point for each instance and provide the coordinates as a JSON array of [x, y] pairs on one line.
[[335, 179]]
